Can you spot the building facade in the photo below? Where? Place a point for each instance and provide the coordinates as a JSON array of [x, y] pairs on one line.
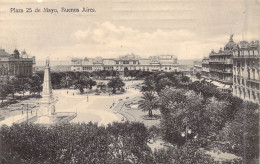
[[246, 78], [15, 64], [221, 64], [218, 67], [166, 63], [205, 73]]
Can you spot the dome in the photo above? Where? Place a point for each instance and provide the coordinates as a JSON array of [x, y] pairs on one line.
[[24, 54], [230, 44]]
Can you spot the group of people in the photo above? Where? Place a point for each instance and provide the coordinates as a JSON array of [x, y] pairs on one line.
[[68, 93]]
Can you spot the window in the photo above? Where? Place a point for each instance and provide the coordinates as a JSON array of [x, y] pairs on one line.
[[125, 62], [117, 62], [134, 62]]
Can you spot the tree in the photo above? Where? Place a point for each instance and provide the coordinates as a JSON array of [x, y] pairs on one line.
[[148, 103], [242, 134], [215, 114], [185, 79], [13, 86], [3, 90], [23, 85], [162, 83], [80, 84], [149, 84], [115, 83], [180, 110], [187, 154], [56, 79], [35, 84], [198, 75], [101, 85], [129, 142], [66, 81], [90, 83]]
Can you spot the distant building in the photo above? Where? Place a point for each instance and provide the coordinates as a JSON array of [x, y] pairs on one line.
[[15, 64], [246, 77], [197, 67], [167, 63], [205, 72]]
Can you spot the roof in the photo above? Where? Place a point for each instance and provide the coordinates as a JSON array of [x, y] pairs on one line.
[[144, 61], [3, 53], [108, 62]]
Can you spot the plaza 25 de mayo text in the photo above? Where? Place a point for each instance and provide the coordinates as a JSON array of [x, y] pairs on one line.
[[50, 10]]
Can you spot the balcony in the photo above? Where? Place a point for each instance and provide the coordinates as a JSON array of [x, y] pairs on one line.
[[247, 56], [221, 61], [253, 80]]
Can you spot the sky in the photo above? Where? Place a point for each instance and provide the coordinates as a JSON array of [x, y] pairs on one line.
[[187, 29]]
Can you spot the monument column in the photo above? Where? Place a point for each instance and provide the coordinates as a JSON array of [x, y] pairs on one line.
[[47, 96], [47, 89]]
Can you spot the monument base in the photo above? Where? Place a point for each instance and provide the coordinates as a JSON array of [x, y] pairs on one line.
[[45, 120]]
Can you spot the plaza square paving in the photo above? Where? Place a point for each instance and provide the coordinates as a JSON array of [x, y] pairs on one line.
[[95, 108]]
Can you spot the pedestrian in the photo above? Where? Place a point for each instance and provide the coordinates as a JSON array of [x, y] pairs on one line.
[[67, 92], [73, 94]]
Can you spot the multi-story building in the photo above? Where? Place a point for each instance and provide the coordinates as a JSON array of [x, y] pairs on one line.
[[220, 66], [15, 64], [205, 73], [246, 77], [166, 63]]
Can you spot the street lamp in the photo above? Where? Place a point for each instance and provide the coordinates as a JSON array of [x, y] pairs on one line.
[[87, 95], [186, 133], [27, 108], [27, 112]]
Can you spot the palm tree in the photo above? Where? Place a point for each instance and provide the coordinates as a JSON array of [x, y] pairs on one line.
[[149, 85], [148, 103]]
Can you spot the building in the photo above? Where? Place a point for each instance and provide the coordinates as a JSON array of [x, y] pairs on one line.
[[205, 72], [220, 66], [246, 71], [15, 64], [166, 63], [197, 67]]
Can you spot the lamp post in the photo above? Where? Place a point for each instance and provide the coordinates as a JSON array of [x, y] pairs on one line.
[[87, 95], [26, 112], [27, 108], [186, 133]]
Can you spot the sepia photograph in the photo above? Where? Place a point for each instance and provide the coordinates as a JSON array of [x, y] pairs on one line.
[[129, 81]]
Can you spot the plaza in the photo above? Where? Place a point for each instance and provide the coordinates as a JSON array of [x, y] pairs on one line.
[[101, 109]]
